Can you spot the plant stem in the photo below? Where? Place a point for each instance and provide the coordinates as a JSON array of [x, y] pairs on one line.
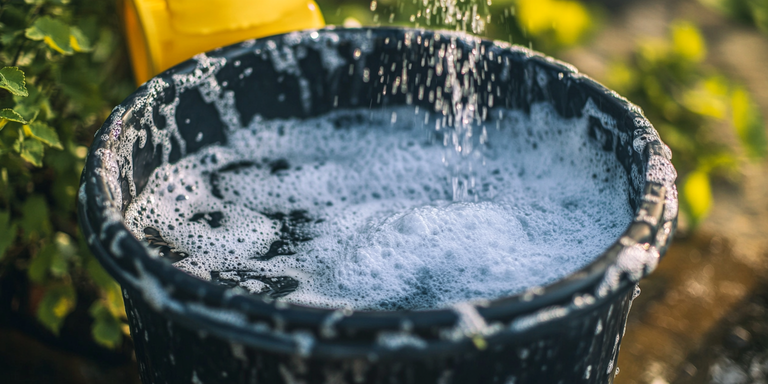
[[18, 52]]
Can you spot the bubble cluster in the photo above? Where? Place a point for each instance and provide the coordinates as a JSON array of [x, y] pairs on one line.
[[356, 209]]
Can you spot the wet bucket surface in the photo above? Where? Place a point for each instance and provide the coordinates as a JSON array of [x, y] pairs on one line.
[[189, 330]]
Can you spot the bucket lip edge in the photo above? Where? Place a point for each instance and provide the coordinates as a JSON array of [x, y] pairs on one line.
[[517, 304]]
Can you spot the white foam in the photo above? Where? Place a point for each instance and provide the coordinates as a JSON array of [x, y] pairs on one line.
[[364, 214]]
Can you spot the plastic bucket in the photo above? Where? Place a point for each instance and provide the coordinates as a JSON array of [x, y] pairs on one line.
[[188, 330]]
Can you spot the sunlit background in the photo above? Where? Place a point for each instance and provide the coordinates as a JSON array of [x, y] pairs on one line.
[[696, 67]]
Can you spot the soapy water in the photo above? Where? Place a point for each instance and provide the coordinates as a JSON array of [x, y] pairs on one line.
[[356, 209]]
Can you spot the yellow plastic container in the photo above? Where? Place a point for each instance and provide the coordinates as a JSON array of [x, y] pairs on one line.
[[162, 33]]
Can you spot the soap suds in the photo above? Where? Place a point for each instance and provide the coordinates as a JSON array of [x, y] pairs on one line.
[[353, 210]]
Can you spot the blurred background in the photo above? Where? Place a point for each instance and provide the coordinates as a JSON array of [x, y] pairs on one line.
[[696, 67]]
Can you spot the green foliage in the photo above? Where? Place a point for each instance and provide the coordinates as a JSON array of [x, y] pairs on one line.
[[748, 123], [35, 217], [53, 32], [12, 79], [686, 100], [43, 133], [61, 37], [59, 300], [753, 12], [62, 69], [7, 115], [38, 268], [107, 329], [30, 150], [7, 232]]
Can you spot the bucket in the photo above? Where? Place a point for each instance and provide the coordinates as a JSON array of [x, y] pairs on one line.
[[187, 330]]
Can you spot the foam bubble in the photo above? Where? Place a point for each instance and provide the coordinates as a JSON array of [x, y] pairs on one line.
[[357, 210]]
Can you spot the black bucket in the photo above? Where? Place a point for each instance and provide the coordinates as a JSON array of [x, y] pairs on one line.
[[187, 330]]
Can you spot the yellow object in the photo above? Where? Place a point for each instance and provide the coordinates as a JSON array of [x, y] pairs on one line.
[[162, 33]]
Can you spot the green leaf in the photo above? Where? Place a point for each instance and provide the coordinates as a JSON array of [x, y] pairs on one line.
[[41, 264], [7, 114], [78, 41], [106, 327], [43, 133], [111, 292], [11, 115], [31, 107], [53, 32], [697, 196], [7, 38], [12, 79], [7, 232], [57, 303], [51, 260], [67, 248], [748, 124], [64, 252], [104, 47], [59, 266], [35, 217], [30, 150], [98, 274], [39, 2]]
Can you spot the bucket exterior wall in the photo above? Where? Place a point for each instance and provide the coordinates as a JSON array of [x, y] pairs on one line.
[[579, 349], [190, 331]]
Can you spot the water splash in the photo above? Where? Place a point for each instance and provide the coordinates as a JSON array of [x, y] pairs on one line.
[[461, 122], [459, 15]]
